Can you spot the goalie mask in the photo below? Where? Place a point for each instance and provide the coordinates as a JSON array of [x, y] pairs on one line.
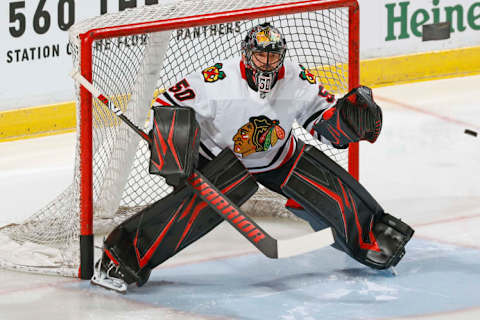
[[263, 52]]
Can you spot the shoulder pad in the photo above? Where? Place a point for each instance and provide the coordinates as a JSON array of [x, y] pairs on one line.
[[213, 73]]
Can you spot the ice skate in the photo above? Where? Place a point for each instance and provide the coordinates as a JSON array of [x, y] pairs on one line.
[[108, 277]]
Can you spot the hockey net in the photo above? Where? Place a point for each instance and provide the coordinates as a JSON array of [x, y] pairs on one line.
[[134, 55]]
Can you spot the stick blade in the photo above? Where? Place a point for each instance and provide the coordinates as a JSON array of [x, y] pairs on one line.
[[304, 244]]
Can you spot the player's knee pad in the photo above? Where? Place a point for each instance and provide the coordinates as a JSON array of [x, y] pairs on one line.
[[360, 226], [163, 229]]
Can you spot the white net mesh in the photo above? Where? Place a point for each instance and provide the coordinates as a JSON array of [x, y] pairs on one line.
[[129, 69]]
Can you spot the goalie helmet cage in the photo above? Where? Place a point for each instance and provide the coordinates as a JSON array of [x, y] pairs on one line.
[[135, 53]]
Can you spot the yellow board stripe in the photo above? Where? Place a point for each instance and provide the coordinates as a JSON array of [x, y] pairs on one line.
[[37, 121], [60, 118], [420, 67]]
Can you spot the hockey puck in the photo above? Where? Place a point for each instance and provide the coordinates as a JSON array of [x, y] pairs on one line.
[[471, 132]]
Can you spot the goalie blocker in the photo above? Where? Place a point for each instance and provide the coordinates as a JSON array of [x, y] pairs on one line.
[[175, 139], [360, 226]]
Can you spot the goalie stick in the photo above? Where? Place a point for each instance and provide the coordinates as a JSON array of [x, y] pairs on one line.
[[228, 210]]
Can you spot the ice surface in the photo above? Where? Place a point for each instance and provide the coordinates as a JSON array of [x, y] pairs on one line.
[[423, 169]]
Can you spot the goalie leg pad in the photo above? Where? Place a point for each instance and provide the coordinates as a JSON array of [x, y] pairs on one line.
[[361, 228], [163, 229]]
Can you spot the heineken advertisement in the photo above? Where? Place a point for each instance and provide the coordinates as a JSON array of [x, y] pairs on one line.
[[35, 54], [398, 26], [410, 20]]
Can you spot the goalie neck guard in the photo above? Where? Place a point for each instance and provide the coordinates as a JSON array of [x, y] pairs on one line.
[[263, 50]]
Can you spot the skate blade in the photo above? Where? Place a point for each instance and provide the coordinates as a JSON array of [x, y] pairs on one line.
[[116, 285]]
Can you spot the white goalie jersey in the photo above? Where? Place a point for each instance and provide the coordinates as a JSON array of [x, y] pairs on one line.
[[231, 114]]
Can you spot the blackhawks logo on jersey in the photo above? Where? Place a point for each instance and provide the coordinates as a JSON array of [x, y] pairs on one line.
[[307, 75], [258, 134], [212, 74]]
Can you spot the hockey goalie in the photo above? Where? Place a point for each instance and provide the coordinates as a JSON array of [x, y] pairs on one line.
[[233, 122]]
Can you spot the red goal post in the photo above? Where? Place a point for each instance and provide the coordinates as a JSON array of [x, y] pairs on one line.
[[88, 38]]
